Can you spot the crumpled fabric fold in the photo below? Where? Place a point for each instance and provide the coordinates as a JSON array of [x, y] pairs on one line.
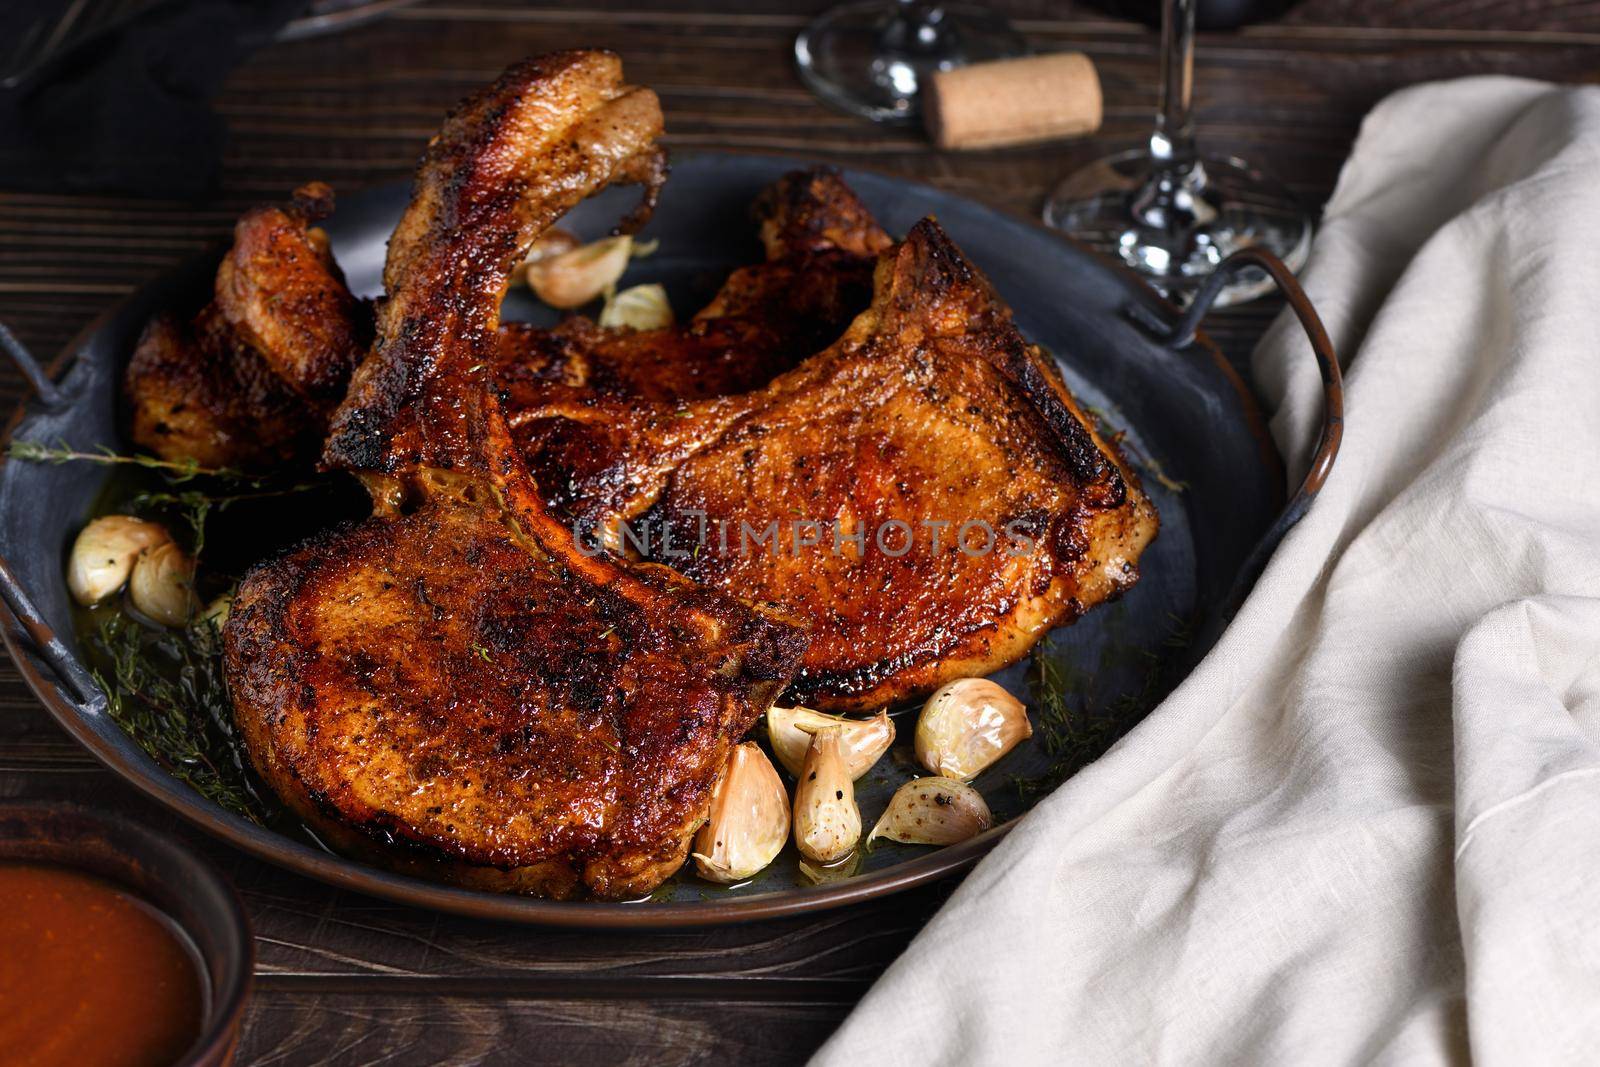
[[1367, 827]]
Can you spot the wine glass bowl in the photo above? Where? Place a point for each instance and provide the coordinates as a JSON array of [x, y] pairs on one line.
[[1171, 213], [872, 58], [1174, 228]]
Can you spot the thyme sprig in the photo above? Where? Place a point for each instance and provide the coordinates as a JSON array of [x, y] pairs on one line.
[[1074, 728], [181, 470], [165, 689], [193, 505], [1073, 731]]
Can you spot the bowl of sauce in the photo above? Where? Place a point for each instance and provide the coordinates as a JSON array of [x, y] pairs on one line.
[[118, 946]]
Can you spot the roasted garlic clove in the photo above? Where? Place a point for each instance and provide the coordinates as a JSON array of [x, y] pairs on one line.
[[864, 740], [967, 725], [933, 811], [643, 307], [827, 823], [829, 873], [553, 242], [104, 553], [749, 819], [162, 585], [218, 610], [572, 278]]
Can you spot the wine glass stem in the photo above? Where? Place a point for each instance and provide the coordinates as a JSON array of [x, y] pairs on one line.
[[917, 27], [1172, 143], [1172, 199]]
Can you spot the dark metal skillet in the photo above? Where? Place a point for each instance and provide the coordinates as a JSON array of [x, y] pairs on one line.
[[1190, 422]]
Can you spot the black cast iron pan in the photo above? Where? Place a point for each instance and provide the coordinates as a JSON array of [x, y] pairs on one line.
[[1190, 425]]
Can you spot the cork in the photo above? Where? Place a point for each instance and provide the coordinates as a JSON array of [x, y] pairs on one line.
[[1013, 101]]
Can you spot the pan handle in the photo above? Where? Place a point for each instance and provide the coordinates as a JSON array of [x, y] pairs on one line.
[[1332, 432], [79, 683], [50, 395]]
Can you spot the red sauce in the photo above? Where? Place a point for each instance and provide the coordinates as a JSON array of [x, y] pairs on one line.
[[90, 974]]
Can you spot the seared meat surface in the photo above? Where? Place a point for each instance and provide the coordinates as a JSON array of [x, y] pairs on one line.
[[579, 397], [452, 676], [199, 394], [597, 556], [429, 690], [284, 296], [983, 508], [252, 380], [821, 246], [925, 493]]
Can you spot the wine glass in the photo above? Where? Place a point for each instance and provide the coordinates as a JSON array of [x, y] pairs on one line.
[[1171, 213], [872, 58]]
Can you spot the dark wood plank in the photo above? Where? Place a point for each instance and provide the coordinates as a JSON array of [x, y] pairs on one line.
[[354, 108], [290, 1027]]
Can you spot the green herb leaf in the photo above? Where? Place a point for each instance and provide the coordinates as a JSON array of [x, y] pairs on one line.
[[165, 689], [175, 470], [1074, 731], [193, 505]]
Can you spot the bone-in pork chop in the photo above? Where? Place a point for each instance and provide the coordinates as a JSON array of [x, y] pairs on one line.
[[251, 381], [821, 246], [925, 493], [450, 684]]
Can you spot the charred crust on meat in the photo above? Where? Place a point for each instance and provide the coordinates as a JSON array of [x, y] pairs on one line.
[[556, 720]]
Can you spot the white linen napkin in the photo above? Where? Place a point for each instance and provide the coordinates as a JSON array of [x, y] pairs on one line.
[[1368, 826]]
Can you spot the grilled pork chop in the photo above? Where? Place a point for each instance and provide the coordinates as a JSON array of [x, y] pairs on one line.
[[984, 508], [925, 492], [451, 678], [198, 394], [821, 247], [251, 381]]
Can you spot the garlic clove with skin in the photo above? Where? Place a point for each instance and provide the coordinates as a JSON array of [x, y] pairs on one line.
[[863, 742], [967, 725], [217, 612], [829, 873], [749, 820], [103, 555], [572, 278], [162, 585], [553, 242], [827, 823], [642, 307], [933, 811]]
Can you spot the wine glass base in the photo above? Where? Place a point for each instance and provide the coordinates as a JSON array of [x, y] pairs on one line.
[[871, 58], [1242, 209]]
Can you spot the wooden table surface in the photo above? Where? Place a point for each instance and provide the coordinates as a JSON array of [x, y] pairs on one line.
[[344, 979]]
